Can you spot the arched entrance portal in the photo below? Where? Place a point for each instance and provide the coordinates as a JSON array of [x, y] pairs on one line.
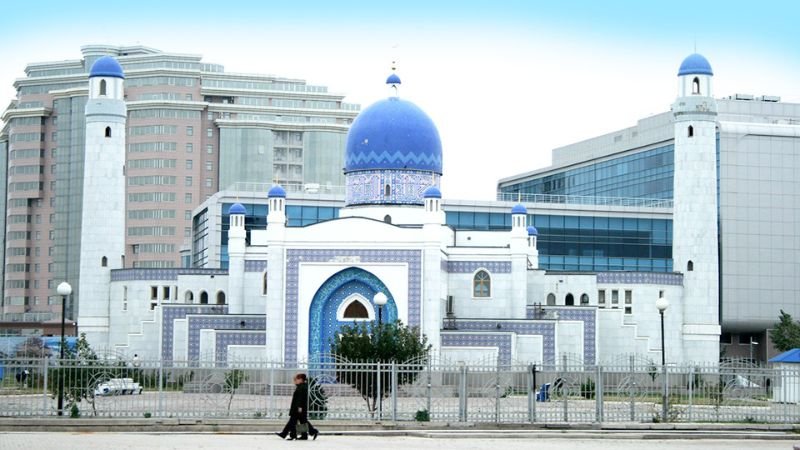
[[339, 301]]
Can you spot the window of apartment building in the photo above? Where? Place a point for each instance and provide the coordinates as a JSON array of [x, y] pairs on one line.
[[209, 182], [210, 115], [189, 147], [187, 214], [189, 163], [628, 301], [188, 181], [50, 268], [52, 169], [210, 149], [187, 198], [187, 232], [52, 234], [50, 251], [209, 166], [190, 131], [210, 132], [37, 251], [189, 97], [52, 217]]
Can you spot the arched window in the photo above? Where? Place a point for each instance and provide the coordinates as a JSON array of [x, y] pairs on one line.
[[264, 284], [584, 299], [356, 310], [103, 262], [387, 218], [689, 266], [551, 299], [220, 298], [203, 297], [690, 132], [696, 86], [387, 191], [482, 284], [102, 87], [569, 300], [188, 297], [108, 131]]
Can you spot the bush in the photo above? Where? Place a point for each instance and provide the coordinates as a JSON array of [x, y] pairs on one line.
[[147, 415], [422, 416], [588, 389], [74, 411]]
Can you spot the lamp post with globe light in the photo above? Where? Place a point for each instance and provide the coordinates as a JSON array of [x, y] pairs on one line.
[[64, 290], [380, 300], [662, 304]]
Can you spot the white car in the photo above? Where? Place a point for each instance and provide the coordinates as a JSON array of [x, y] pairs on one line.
[[118, 386]]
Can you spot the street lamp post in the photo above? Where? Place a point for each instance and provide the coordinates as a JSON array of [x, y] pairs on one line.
[[380, 300], [64, 290], [662, 304]]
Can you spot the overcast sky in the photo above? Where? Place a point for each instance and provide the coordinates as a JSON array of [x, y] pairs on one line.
[[505, 82]]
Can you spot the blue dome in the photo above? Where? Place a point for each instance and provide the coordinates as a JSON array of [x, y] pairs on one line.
[[393, 79], [276, 191], [106, 66], [519, 209], [432, 192], [532, 231], [393, 134], [237, 208], [695, 64]]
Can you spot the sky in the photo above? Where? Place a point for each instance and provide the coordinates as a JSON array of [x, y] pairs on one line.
[[504, 81]]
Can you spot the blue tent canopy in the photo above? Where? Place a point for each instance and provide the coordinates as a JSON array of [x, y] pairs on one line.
[[790, 356]]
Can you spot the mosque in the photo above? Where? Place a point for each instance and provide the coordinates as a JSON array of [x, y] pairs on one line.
[[476, 295]]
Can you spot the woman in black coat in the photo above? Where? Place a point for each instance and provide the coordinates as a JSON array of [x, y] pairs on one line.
[[298, 411]]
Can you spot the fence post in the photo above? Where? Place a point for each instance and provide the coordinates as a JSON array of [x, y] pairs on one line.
[[160, 387], [380, 392], [631, 387], [665, 396], [598, 393], [691, 391], [563, 387], [430, 413], [394, 391], [531, 393], [462, 394], [271, 404], [497, 393], [44, 388]]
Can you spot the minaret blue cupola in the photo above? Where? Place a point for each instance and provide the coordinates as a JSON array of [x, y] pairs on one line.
[[532, 231], [106, 66], [276, 192], [237, 208], [695, 64], [393, 153]]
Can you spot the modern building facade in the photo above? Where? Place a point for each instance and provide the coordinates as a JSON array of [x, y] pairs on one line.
[[191, 129], [757, 143]]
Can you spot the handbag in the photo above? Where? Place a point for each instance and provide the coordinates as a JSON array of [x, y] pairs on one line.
[[302, 428]]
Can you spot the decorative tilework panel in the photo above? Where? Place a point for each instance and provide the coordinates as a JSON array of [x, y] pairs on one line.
[[671, 279], [170, 313], [501, 341], [367, 187], [228, 338], [160, 274], [255, 265], [472, 266], [323, 324], [219, 322], [545, 329], [295, 256], [586, 315]]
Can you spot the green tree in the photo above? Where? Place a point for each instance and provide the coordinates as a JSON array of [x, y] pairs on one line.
[[368, 344], [233, 380], [785, 334], [80, 369]]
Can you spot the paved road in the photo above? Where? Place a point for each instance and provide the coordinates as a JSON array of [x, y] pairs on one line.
[[125, 441]]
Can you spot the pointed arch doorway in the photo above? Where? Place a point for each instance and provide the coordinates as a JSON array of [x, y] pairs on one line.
[[343, 299]]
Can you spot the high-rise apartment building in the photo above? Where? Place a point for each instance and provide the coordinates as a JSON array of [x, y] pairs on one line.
[[192, 129]]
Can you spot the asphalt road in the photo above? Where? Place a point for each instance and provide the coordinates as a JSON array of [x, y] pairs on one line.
[[125, 441]]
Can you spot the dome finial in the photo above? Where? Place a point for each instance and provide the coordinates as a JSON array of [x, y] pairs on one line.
[[393, 81]]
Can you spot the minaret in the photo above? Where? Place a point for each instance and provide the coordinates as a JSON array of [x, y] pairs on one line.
[[432, 302], [236, 249], [519, 261], [533, 251], [695, 212], [275, 308], [103, 207]]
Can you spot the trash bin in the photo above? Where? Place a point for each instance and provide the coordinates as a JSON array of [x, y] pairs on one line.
[[544, 393]]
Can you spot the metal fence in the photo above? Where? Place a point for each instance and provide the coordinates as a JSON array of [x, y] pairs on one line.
[[629, 390]]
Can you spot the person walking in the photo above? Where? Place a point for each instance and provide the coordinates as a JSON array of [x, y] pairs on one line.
[[298, 412]]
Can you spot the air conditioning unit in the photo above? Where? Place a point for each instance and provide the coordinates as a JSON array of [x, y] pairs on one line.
[[450, 307]]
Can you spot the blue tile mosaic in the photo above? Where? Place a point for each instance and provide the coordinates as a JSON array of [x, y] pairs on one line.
[[170, 313], [405, 187], [501, 341], [160, 274], [228, 338], [670, 279], [472, 266], [197, 323], [295, 256], [255, 265], [545, 329]]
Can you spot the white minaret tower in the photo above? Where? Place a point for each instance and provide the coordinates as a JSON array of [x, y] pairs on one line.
[[276, 242], [533, 250], [432, 295], [695, 238], [236, 248], [519, 261], [103, 208]]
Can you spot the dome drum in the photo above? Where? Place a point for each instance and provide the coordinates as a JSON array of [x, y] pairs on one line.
[[388, 187]]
